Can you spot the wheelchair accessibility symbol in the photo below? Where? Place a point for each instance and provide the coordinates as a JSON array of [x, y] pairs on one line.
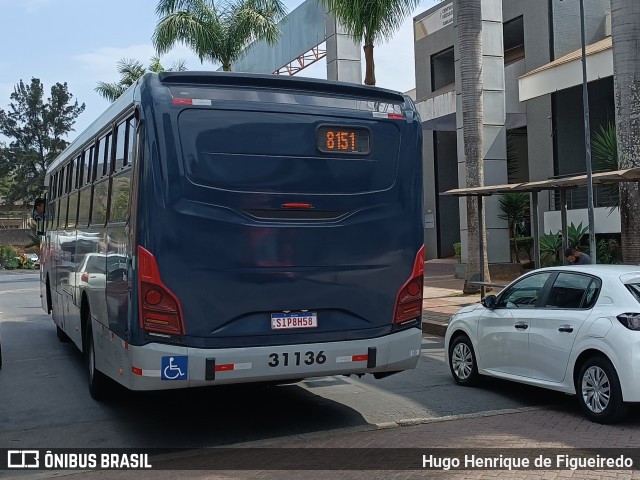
[[174, 368]]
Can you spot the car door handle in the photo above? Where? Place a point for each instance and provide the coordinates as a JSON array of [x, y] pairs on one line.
[[565, 328], [521, 325]]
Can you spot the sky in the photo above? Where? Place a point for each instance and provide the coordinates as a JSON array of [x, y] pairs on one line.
[[81, 41]]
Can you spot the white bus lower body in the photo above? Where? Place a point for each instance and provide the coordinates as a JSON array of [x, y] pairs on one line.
[[158, 366]]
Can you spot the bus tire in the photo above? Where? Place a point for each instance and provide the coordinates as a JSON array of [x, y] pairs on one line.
[[49, 301], [63, 337], [98, 382]]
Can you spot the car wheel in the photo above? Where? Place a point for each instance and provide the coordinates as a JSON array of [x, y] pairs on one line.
[[63, 337], [462, 362], [599, 393], [98, 382]]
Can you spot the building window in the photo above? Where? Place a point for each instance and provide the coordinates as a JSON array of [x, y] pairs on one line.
[[513, 33], [443, 70]]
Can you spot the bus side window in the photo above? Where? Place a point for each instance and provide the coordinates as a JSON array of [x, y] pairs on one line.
[[121, 145], [50, 212], [88, 165], [99, 205], [120, 196], [131, 142]]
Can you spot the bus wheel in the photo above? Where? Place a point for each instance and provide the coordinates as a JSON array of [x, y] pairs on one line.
[[63, 337], [49, 302], [98, 382]]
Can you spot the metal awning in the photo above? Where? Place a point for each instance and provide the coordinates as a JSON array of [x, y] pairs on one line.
[[561, 184], [614, 176], [566, 71]]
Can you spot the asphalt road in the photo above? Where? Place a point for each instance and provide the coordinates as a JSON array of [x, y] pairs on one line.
[[45, 403]]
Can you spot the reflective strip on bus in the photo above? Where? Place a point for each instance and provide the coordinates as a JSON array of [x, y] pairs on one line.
[[144, 372], [391, 116], [227, 367], [352, 358], [192, 101]]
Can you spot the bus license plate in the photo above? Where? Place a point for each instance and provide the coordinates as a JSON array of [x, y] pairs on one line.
[[282, 321]]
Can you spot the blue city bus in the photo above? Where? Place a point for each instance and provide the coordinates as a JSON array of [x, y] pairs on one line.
[[216, 228]]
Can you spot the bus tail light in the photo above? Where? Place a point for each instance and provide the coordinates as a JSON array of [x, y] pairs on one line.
[[160, 309], [409, 300]]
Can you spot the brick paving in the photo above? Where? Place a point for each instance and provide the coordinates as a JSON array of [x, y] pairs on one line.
[[561, 427], [553, 428]]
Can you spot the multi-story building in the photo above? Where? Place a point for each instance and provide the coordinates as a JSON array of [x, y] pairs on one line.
[[533, 115]]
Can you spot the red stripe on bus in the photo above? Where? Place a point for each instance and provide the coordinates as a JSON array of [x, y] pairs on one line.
[[136, 370], [225, 368], [359, 358], [182, 101]]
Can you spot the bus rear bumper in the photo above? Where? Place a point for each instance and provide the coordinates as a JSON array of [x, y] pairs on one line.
[[159, 366]]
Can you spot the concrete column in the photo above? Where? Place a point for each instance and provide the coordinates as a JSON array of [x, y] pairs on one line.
[[343, 54], [494, 133]]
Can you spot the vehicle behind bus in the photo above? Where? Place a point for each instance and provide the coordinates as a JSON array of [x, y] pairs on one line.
[[240, 228]]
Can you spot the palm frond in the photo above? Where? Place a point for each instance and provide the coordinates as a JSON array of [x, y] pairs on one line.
[[371, 21], [179, 65], [605, 148], [130, 70], [110, 91], [216, 31], [605, 158], [155, 65], [184, 27]]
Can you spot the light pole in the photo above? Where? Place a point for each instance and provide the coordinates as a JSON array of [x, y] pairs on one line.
[[587, 139]]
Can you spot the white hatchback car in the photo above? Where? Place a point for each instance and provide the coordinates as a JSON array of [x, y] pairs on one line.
[[573, 329]]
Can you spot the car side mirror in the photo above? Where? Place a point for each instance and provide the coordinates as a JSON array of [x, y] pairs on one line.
[[489, 302]]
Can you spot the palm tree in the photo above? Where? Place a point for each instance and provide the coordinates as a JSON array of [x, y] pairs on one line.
[[469, 16], [217, 31], [130, 71], [625, 32], [370, 22]]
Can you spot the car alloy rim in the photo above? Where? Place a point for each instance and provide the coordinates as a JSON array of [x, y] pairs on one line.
[[596, 389], [462, 361]]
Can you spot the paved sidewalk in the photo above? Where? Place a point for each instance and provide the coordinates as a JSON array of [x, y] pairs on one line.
[[442, 296]]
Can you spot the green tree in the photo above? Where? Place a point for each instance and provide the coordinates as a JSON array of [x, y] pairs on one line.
[[625, 33], [513, 206], [36, 130], [217, 31], [371, 22], [130, 71]]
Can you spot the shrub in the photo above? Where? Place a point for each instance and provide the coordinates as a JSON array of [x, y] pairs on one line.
[[457, 248], [8, 256]]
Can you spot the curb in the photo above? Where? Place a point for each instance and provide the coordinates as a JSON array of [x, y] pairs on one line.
[[434, 328]]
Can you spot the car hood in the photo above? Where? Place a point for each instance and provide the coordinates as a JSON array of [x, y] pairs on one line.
[[469, 308]]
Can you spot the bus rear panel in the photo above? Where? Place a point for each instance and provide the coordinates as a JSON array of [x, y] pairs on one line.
[[278, 234]]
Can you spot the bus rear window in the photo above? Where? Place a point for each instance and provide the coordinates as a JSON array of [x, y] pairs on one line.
[[249, 151]]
